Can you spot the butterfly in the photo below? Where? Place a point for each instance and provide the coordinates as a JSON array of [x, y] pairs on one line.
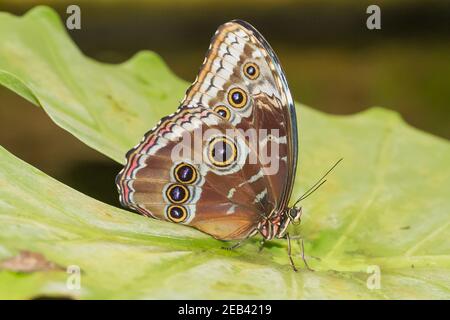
[[241, 87]]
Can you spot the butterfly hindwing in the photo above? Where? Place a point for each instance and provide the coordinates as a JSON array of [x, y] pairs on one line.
[[227, 203]]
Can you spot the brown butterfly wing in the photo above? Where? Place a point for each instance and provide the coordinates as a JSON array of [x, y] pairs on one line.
[[227, 203], [240, 60], [242, 82]]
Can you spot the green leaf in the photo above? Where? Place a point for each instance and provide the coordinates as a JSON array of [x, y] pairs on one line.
[[107, 107], [385, 207]]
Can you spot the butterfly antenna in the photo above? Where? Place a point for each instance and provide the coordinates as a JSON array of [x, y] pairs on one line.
[[318, 184], [310, 192]]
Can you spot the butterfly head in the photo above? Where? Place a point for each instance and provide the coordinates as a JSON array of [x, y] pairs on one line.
[[280, 222], [294, 214]]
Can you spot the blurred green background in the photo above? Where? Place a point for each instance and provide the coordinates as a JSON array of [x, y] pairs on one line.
[[333, 63]]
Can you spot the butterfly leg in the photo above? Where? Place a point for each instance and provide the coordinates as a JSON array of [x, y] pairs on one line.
[[234, 246], [290, 253], [303, 255], [261, 245], [300, 243]]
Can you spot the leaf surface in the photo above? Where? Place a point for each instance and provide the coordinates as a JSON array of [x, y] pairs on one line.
[[385, 208]]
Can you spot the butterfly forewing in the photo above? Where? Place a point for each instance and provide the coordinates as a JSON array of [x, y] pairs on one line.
[[240, 61]]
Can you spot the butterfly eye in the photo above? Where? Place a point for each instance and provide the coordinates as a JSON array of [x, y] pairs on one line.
[[222, 151], [177, 213], [223, 111], [251, 70], [177, 193], [185, 173], [237, 98]]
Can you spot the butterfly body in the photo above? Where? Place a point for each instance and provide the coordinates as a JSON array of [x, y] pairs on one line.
[[208, 165]]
